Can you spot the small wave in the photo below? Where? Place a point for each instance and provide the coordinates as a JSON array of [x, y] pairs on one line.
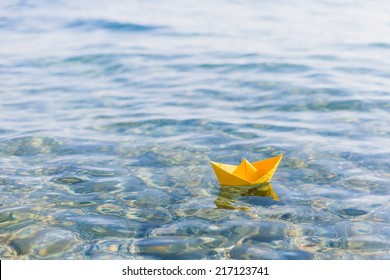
[[379, 45], [96, 24], [5, 22], [257, 67], [321, 106]]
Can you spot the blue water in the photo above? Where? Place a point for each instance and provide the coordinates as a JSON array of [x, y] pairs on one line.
[[111, 110]]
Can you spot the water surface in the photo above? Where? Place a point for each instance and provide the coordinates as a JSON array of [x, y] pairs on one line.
[[111, 110]]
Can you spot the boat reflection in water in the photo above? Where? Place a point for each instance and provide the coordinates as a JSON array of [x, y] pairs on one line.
[[228, 196]]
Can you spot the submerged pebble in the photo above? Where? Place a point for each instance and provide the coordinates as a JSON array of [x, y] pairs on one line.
[[41, 243], [176, 246], [7, 252], [267, 232], [367, 243], [253, 253], [118, 248], [295, 255]]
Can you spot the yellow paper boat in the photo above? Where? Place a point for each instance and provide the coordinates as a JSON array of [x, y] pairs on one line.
[[246, 174]]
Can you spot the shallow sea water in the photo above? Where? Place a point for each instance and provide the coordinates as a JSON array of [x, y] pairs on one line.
[[111, 110]]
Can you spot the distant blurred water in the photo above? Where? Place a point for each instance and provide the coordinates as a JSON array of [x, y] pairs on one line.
[[111, 110]]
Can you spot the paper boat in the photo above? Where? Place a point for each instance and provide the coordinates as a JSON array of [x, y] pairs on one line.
[[246, 174]]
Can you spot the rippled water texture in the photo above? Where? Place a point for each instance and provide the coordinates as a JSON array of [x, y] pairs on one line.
[[111, 110]]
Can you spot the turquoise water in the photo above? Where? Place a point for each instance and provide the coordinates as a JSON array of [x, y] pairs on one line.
[[111, 110]]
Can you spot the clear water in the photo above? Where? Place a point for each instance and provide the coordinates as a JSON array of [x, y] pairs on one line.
[[110, 111]]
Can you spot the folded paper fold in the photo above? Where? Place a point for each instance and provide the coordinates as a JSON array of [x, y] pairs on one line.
[[246, 173]]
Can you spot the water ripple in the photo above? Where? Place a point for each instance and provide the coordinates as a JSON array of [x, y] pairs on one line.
[[114, 26]]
